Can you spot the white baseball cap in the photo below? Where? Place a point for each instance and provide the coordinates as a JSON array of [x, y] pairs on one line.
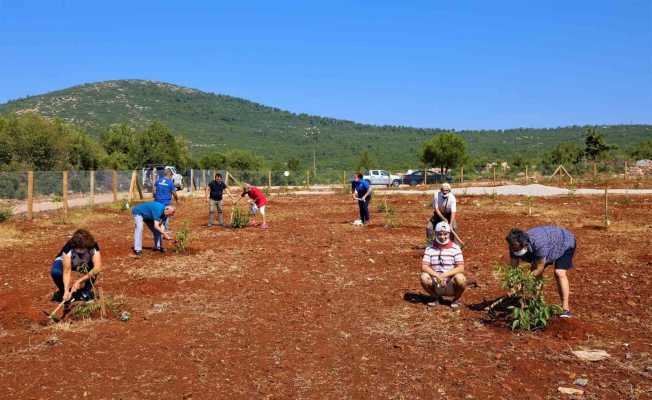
[[445, 186], [443, 226]]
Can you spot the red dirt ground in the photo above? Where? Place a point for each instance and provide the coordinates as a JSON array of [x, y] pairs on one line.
[[317, 308]]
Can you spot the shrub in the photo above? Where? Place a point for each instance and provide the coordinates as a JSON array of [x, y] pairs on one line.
[[531, 311], [5, 214], [389, 216], [239, 219], [182, 238]]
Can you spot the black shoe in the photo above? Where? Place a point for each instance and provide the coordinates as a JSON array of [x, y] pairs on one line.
[[57, 296], [159, 249], [138, 253]]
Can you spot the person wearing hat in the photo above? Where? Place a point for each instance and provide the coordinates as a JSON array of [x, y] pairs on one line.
[[153, 214], [444, 207], [442, 267], [541, 247], [259, 202]]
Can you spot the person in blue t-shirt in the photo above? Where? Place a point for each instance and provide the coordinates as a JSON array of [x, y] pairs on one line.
[[164, 190], [362, 195], [153, 214]]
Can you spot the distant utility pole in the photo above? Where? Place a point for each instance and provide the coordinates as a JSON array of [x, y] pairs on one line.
[[312, 132]]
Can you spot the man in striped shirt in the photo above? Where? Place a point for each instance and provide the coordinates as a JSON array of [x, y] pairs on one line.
[[542, 246], [443, 267]]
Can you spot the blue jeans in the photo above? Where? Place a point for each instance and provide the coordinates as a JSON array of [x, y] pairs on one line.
[[364, 209], [57, 276]]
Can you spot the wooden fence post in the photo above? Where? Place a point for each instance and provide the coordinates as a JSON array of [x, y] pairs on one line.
[[192, 181], [30, 194], [425, 176], [308, 178], [494, 169], [65, 196], [595, 170], [114, 185], [269, 179], [92, 183], [462, 174], [527, 178], [625, 176], [606, 208], [132, 186]]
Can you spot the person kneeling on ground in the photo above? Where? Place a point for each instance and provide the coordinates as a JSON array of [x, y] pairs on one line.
[[543, 246], [443, 267], [259, 200], [153, 214], [80, 254]]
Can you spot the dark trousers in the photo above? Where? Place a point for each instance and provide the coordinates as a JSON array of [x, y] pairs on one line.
[[57, 276], [364, 209]]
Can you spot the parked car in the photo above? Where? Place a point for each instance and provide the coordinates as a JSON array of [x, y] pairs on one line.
[[416, 178], [382, 177], [151, 172]]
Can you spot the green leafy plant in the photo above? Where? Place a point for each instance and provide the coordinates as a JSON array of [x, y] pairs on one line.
[[100, 307], [57, 198], [266, 191], [5, 214], [183, 237], [530, 311], [239, 218]]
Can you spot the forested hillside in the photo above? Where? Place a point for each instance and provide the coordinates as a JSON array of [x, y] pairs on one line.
[[218, 122]]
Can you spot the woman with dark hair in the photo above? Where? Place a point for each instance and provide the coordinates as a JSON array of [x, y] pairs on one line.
[[80, 254], [541, 247]]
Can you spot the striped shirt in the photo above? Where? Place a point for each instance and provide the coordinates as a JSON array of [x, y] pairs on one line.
[[443, 258], [548, 243]]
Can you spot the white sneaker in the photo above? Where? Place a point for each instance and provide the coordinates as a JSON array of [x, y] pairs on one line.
[[357, 222]]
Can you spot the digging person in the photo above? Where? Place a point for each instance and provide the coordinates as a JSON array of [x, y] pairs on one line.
[[442, 268], [543, 246], [80, 254], [362, 194], [214, 195], [257, 197], [153, 214], [444, 205]]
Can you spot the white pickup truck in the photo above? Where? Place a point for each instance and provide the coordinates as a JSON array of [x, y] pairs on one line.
[[382, 177]]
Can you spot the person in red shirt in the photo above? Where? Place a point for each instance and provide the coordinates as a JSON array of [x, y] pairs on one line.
[[259, 202]]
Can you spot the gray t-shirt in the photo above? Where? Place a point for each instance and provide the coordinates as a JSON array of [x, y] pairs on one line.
[[446, 205]]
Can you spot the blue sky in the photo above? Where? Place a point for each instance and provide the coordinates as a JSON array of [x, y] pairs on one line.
[[442, 64]]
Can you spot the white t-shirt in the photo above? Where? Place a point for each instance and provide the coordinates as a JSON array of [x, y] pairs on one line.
[[447, 205]]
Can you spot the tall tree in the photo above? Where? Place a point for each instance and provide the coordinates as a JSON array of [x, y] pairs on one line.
[[445, 150], [595, 146]]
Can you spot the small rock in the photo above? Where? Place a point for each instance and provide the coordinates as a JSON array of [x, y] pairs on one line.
[[571, 391], [371, 260], [581, 382], [591, 355], [125, 316]]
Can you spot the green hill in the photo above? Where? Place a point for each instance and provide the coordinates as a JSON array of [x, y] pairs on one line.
[[212, 121]]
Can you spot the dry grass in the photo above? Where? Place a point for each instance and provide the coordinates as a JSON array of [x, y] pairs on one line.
[[10, 236], [209, 263]]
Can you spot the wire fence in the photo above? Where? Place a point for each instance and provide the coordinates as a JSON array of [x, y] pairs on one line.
[[90, 187]]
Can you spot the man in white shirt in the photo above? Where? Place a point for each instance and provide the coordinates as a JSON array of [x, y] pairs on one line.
[[444, 207], [442, 267]]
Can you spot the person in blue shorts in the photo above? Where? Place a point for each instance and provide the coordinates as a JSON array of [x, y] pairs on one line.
[[541, 247], [153, 214], [164, 190], [362, 194]]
